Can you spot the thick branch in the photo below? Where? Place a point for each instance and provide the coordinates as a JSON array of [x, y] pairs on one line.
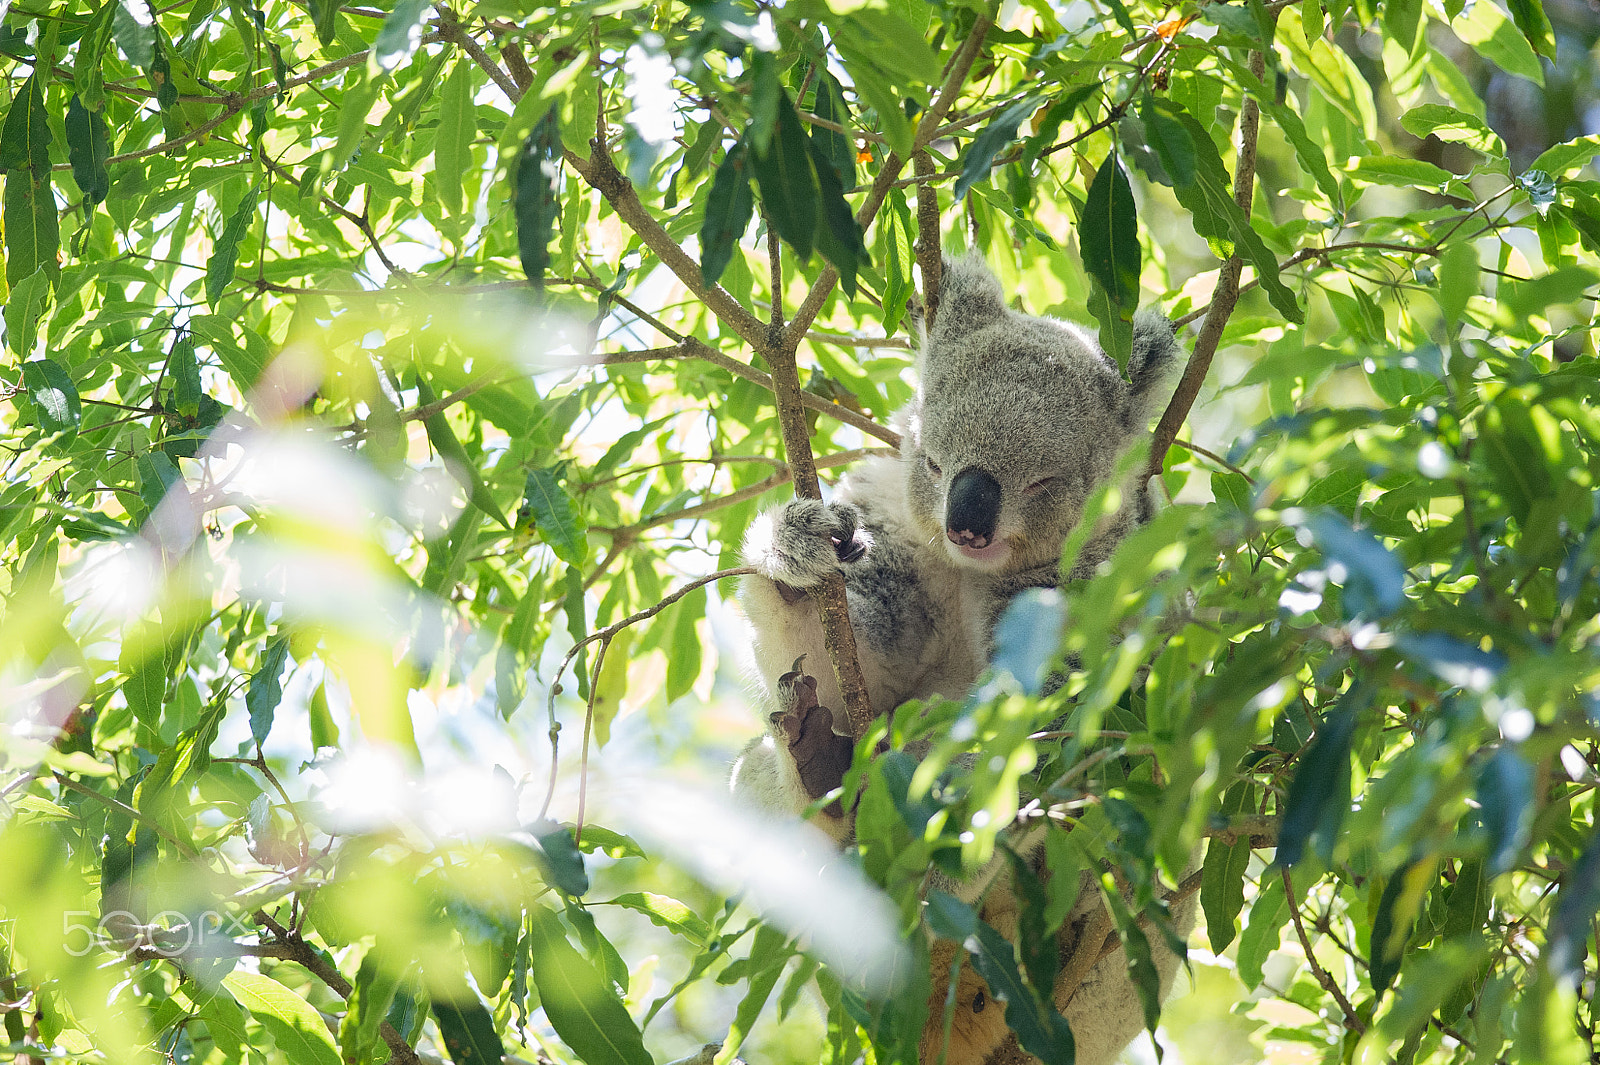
[[1227, 290], [603, 176], [692, 348], [626, 533], [930, 243]]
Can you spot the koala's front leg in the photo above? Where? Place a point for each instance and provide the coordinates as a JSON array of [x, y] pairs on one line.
[[798, 544]]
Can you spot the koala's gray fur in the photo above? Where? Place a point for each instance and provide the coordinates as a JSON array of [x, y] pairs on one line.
[[1016, 419]]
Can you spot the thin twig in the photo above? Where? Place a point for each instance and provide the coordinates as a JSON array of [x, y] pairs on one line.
[[1323, 977], [1223, 297], [606, 634]]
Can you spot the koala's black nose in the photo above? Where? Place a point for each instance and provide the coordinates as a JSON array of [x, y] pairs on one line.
[[973, 509]]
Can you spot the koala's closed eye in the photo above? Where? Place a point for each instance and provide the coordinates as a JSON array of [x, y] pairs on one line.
[[933, 467], [1041, 485]]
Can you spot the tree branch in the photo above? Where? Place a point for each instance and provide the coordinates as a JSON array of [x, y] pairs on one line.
[[1351, 1018], [627, 533], [1223, 297], [603, 176], [696, 349], [300, 952]]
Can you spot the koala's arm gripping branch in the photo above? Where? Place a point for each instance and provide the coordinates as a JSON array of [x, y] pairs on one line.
[[837, 633], [1226, 293]]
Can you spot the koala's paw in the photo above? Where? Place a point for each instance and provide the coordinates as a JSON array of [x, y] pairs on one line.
[[806, 727], [805, 540]]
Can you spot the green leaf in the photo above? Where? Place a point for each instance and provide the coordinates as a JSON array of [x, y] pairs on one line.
[[225, 250], [1040, 1030], [1108, 238], [1535, 26], [1576, 905], [880, 94], [537, 199], [1396, 913], [899, 236], [986, 145], [296, 1026], [457, 463], [1458, 280], [1220, 221], [452, 150], [26, 302], [729, 205], [401, 33], [54, 398], [666, 912], [557, 517], [1268, 914], [837, 148], [468, 1030], [1487, 31], [372, 992], [788, 184], [1450, 124], [266, 688], [838, 237], [33, 234], [1222, 873], [88, 79], [769, 952], [514, 655], [1319, 794], [558, 858], [133, 23], [1505, 806], [325, 16], [184, 371], [577, 1000], [895, 45], [1560, 158], [88, 148], [1400, 172], [683, 644]]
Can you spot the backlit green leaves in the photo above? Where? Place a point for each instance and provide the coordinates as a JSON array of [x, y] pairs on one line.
[[225, 252], [88, 148], [584, 1011], [54, 398], [1108, 237], [802, 198], [729, 205], [295, 1025], [33, 236], [537, 201], [986, 145]]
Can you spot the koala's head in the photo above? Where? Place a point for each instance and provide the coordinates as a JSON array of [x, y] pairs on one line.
[[1016, 420]]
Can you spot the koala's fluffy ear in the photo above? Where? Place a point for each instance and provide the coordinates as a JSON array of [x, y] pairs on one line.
[[969, 298], [1152, 365]]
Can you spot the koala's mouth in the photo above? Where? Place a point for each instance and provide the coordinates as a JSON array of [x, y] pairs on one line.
[[992, 554]]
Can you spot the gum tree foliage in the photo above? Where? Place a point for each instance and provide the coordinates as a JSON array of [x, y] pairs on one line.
[[361, 359]]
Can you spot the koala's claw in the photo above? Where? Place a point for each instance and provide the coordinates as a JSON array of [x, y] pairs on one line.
[[808, 540], [806, 727]]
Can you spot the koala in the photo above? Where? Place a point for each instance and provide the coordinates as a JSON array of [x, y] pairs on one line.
[[1015, 421]]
